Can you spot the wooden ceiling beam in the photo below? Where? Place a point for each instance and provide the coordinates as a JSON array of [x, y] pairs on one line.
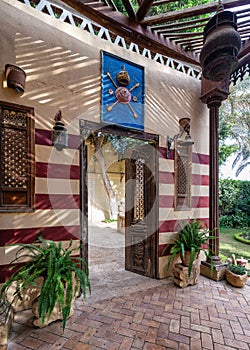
[[176, 29], [143, 9], [184, 35], [242, 13], [188, 41], [244, 24], [245, 49], [162, 2], [111, 4], [243, 31], [197, 45], [192, 11], [179, 24], [129, 28], [129, 9]]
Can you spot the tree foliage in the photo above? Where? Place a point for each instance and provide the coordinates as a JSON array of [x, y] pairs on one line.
[[234, 132], [155, 10], [234, 203]]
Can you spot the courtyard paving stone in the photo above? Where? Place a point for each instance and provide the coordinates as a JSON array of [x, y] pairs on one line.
[[159, 315]]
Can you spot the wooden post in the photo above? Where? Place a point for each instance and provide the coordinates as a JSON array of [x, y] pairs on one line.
[[213, 93]]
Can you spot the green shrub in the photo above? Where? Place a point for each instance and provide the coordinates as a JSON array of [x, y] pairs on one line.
[[240, 237], [237, 269], [234, 203], [234, 221]]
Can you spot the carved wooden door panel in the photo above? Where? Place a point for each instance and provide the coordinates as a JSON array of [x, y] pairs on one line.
[[141, 210]]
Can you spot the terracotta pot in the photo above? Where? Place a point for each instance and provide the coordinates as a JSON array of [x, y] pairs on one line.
[[186, 258], [236, 280]]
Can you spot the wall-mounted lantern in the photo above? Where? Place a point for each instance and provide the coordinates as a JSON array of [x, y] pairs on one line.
[[184, 127], [222, 43], [15, 77], [59, 135]]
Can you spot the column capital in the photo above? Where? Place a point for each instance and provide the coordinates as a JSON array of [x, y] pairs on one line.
[[213, 93]]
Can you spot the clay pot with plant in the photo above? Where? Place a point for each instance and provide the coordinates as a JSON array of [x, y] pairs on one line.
[[236, 275], [190, 242], [62, 277]]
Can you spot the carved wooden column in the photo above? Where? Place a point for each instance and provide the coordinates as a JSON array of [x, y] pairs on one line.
[[213, 93]]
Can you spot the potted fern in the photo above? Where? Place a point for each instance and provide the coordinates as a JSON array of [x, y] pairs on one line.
[[189, 243], [62, 277]]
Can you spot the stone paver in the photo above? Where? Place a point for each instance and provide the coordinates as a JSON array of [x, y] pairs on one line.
[[136, 321], [130, 312]]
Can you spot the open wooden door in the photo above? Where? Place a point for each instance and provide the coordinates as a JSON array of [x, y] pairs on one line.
[[141, 214]]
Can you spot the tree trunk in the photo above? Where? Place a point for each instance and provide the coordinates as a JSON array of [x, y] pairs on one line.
[[98, 142]]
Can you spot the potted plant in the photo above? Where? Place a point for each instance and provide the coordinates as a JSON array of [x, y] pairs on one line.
[[189, 243], [236, 275], [61, 274]]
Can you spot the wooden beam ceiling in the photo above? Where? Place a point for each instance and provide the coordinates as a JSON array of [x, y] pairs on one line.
[[177, 34], [129, 28], [143, 9], [192, 12]]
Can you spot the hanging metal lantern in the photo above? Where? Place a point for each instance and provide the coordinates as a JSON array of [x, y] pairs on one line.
[[222, 43], [59, 136], [15, 77]]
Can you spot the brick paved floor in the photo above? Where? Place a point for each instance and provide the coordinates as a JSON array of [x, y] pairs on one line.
[[209, 315]]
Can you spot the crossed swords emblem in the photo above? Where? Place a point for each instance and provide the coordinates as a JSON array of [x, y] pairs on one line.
[[123, 95]]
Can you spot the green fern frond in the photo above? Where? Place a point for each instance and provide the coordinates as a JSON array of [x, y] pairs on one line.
[[55, 264]]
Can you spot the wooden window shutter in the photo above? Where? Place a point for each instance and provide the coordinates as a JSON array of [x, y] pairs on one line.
[[17, 148], [183, 173]]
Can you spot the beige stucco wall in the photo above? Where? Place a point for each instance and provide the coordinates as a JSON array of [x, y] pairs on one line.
[[63, 71], [63, 65]]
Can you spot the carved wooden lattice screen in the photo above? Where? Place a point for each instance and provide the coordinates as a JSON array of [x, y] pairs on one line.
[[183, 173], [139, 190], [17, 157]]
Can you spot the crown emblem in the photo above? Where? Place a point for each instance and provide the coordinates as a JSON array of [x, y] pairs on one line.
[[123, 77]]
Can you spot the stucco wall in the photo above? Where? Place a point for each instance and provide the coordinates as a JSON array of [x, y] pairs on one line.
[[63, 71]]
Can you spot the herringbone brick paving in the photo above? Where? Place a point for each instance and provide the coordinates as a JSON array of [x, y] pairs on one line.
[[209, 315]]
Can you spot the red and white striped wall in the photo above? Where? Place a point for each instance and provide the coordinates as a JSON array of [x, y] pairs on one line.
[[168, 217]]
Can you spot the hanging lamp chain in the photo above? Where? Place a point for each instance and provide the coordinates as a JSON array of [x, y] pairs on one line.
[[220, 7]]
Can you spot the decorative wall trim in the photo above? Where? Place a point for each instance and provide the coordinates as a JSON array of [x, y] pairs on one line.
[[29, 235], [76, 20], [43, 137], [172, 225], [199, 158], [57, 201], [60, 171], [196, 202]]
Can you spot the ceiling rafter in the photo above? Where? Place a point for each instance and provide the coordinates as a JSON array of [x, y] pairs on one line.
[[177, 34], [184, 35], [144, 9], [193, 11], [185, 28], [192, 41], [162, 2], [129, 8], [245, 50], [185, 24], [129, 28]]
